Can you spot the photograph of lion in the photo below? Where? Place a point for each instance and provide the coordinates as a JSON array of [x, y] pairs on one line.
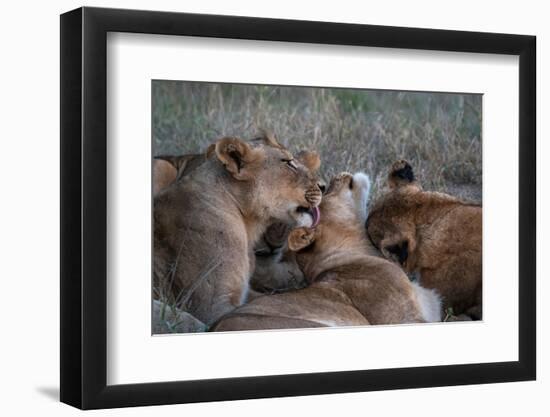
[[280, 207]]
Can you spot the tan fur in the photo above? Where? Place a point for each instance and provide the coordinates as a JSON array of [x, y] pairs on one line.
[[276, 269], [167, 169], [207, 223], [433, 234], [164, 174], [350, 285]]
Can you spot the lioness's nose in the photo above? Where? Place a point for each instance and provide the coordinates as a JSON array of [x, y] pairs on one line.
[[322, 186]]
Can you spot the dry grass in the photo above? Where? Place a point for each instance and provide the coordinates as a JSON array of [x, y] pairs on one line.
[[353, 130]]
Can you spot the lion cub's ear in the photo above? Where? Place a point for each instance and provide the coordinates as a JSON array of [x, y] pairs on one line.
[[399, 251], [399, 247], [300, 238], [164, 174], [310, 159], [401, 173], [170, 168], [238, 157]]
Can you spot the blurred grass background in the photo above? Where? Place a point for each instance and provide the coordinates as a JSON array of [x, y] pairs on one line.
[[353, 130]]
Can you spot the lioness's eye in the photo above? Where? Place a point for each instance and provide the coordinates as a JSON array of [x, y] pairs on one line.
[[291, 164]]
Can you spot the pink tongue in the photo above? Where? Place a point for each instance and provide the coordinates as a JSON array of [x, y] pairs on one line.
[[316, 216]]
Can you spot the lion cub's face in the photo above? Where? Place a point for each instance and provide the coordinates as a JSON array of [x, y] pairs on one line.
[[274, 184], [343, 214], [344, 205]]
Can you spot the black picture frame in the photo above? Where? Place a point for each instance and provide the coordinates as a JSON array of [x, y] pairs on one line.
[[84, 207]]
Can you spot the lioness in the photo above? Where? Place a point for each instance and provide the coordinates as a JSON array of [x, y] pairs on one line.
[[432, 234], [350, 283], [275, 266], [207, 223]]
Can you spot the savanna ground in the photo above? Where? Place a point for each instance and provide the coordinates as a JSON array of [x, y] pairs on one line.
[[353, 130]]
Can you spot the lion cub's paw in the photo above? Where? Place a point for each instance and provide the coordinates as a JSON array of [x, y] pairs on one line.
[[276, 234]]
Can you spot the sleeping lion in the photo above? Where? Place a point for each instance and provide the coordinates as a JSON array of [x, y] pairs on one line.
[[207, 223], [434, 235]]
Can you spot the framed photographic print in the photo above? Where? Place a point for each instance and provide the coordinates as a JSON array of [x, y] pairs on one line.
[[257, 208]]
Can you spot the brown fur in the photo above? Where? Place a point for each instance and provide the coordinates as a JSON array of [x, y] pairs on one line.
[[275, 267], [207, 223], [433, 234], [350, 284]]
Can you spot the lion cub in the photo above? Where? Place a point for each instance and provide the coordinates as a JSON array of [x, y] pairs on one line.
[[276, 268], [167, 169], [432, 234], [349, 284], [207, 223]]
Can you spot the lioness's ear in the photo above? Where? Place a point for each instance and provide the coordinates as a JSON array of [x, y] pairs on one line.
[[238, 157], [164, 174], [300, 238], [310, 159], [401, 173]]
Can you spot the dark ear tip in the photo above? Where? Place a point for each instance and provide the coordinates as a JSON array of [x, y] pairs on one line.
[[402, 170]]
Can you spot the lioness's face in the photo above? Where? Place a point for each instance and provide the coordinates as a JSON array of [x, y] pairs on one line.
[[278, 185], [290, 188]]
